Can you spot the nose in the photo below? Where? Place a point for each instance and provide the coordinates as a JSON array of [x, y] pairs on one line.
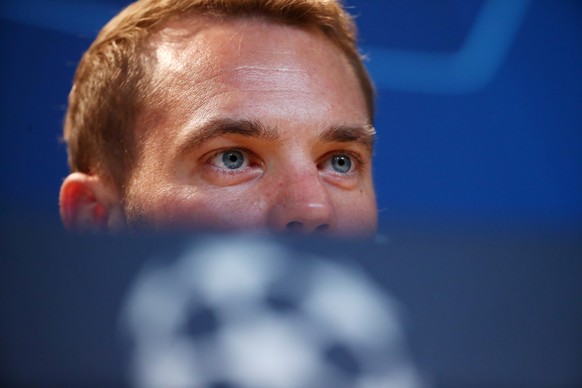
[[302, 204]]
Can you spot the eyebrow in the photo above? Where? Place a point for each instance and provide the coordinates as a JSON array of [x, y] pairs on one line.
[[220, 127], [364, 135]]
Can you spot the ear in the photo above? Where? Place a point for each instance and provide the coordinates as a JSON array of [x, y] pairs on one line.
[[90, 203]]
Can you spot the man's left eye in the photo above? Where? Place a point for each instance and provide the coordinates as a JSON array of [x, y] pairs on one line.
[[341, 163]]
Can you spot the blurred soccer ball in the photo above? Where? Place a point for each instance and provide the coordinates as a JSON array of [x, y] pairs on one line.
[[250, 313]]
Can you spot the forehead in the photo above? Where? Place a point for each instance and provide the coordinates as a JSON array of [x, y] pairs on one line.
[[192, 41], [252, 66]]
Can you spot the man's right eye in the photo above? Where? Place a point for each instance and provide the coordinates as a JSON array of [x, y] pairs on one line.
[[230, 160]]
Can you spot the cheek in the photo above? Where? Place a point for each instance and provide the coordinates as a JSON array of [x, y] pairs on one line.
[[356, 212], [185, 207], [231, 209]]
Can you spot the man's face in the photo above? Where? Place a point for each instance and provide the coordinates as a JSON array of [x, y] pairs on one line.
[[260, 125]]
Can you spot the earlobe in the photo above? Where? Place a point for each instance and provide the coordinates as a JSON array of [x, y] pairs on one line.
[[90, 203]]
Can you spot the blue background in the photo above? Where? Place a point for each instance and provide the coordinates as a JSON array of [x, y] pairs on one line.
[[479, 107]]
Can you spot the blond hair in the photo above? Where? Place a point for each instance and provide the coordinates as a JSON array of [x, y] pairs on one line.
[[111, 81]]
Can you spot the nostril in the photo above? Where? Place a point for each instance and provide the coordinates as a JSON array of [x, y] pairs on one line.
[[294, 226], [297, 226]]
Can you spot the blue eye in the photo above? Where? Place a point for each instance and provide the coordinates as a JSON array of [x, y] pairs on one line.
[[233, 159], [341, 163]]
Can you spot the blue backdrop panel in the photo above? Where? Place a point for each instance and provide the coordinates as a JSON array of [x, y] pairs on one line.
[[479, 105], [478, 308]]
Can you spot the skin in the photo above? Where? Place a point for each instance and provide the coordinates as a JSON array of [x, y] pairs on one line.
[[282, 100]]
